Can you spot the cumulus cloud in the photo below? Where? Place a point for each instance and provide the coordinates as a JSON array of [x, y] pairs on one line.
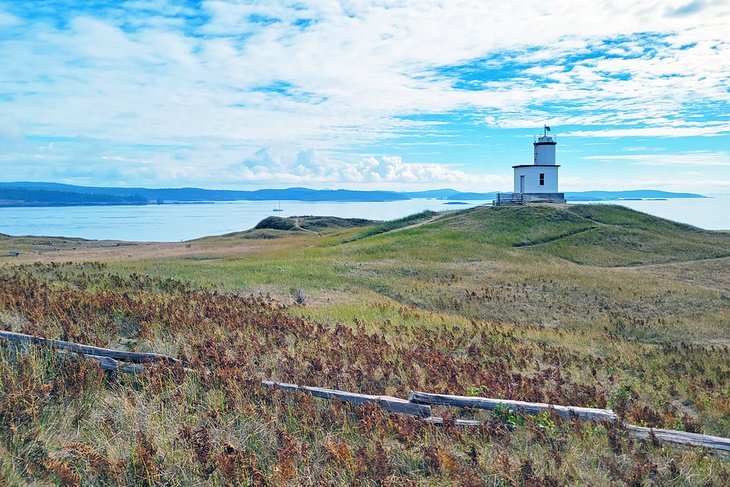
[[310, 166], [393, 169]]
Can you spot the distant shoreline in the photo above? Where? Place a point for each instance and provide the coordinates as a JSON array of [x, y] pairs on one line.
[[96, 204], [40, 194]]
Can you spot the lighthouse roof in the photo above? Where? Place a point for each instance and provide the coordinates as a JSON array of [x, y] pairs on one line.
[[537, 165], [545, 139]]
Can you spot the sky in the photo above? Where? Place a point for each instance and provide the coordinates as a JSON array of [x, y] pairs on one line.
[[365, 94]]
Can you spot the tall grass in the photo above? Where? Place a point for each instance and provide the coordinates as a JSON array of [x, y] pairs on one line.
[[66, 421]]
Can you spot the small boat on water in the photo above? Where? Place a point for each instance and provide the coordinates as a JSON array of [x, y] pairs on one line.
[[278, 208]]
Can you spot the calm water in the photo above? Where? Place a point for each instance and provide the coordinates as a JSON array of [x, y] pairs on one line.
[[709, 213], [171, 223]]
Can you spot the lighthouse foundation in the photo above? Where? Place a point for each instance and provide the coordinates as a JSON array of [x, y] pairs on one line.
[[507, 199]]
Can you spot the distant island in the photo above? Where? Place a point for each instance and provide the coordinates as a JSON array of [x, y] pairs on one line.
[[57, 194]]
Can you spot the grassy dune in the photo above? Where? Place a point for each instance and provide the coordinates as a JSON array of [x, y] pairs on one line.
[[586, 305]]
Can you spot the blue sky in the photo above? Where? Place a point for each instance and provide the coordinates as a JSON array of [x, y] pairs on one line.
[[400, 94]]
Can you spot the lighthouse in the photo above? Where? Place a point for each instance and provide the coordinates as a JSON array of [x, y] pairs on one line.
[[536, 182]]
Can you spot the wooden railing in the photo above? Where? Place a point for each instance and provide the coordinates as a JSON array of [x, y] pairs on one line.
[[509, 199]]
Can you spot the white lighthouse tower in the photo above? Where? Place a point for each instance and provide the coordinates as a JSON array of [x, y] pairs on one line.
[[537, 182]]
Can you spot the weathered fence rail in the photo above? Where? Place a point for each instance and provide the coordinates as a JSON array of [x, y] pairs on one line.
[[457, 422], [388, 403], [567, 412], [680, 437], [418, 403], [88, 350], [107, 363]]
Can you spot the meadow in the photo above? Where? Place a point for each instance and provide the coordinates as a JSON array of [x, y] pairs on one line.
[[583, 305]]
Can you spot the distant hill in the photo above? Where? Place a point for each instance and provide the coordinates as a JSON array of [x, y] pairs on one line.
[[432, 193], [56, 194], [311, 223], [473, 196], [10, 196], [634, 194]]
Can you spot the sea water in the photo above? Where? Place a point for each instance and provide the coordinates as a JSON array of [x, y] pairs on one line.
[[177, 222]]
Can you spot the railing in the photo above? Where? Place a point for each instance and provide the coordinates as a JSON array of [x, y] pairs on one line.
[[509, 199]]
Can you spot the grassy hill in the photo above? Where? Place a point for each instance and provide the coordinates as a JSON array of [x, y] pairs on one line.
[[605, 235], [579, 304]]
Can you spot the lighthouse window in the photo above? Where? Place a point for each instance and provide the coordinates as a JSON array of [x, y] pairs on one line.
[[542, 179]]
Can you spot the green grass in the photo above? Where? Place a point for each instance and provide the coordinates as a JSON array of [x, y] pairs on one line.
[[391, 225]]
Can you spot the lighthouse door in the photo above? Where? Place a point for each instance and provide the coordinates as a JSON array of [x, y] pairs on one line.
[[522, 184]]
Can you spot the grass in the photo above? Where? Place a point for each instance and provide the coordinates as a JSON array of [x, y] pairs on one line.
[[311, 223], [540, 303], [389, 226]]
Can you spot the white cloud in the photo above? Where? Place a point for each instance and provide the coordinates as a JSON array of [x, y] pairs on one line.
[[705, 130], [10, 130], [365, 62], [309, 166], [8, 20], [698, 158], [12, 137]]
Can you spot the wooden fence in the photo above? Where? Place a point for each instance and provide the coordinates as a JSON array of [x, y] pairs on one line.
[[87, 350], [418, 403]]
